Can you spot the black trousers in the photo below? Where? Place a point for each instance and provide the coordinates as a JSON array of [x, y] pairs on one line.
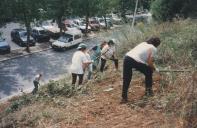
[[128, 64], [103, 62], [74, 78], [35, 87]]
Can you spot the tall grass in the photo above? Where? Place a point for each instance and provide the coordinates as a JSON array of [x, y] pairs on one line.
[[178, 40], [177, 93]]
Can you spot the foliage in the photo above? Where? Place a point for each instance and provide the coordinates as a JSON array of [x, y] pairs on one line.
[[58, 9], [5, 12], [18, 103], [164, 10], [26, 11]]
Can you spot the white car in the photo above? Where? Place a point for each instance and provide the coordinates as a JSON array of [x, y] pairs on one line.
[[69, 25], [81, 25], [115, 19], [52, 29], [67, 40], [102, 22]]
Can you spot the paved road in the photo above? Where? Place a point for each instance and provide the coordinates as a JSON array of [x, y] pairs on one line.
[[16, 74], [19, 73]]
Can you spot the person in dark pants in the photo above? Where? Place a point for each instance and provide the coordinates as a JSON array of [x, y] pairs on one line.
[[141, 58], [108, 52], [79, 63], [36, 83], [74, 78]]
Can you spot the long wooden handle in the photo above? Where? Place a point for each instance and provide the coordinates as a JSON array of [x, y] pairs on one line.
[[170, 70]]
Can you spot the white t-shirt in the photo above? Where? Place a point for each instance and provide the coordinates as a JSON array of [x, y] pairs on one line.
[[89, 60], [37, 78], [141, 51], [77, 62], [107, 52]]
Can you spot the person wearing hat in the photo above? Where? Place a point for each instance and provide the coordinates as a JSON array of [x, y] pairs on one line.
[[108, 52], [79, 63], [141, 58]]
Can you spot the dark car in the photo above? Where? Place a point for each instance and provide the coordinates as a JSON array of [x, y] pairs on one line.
[[19, 36], [40, 35], [4, 46]]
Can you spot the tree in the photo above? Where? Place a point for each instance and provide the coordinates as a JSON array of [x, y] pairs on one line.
[[26, 11], [57, 9], [107, 6], [5, 12], [85, 8], [164, 10], [129, 5]]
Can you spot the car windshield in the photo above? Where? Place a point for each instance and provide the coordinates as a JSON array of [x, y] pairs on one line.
[[23, 34], [81, 23], [101, 20], [65, 38], [70, 25], [93, 22], [42, 32]]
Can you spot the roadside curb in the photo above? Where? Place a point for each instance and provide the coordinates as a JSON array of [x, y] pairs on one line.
[[25, 54]]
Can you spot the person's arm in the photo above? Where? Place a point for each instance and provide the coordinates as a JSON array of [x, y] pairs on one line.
[[86, 60], [150, 60]]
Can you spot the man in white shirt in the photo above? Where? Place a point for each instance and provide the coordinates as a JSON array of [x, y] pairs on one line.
[[79, 63], [36, 83], [108, 52], [141, 58]]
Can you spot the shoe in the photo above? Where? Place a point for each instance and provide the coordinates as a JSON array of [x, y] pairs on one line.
[[123, 101]]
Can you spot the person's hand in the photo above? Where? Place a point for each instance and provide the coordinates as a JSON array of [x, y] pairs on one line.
[[156, 69]]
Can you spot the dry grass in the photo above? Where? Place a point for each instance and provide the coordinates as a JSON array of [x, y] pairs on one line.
[[60, 105]]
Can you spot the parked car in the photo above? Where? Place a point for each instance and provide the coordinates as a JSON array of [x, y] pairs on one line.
[[102, 22], [94, 24], [4, 46], [40, 35], [52, 29], [67, 40], [19, 36], [115, 19], [81, 25], [69, 25]]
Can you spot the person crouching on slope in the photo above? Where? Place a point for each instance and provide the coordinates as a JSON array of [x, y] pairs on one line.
[[108, 52], [141, 58], [79, 63]]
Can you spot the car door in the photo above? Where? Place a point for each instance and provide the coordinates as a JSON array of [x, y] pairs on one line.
[[18, 39], [33, 33], [70, 42]]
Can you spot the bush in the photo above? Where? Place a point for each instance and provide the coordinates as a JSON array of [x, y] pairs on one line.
[[164, 10]]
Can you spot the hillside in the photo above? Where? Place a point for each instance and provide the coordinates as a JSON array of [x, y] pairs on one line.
[[97, 103]]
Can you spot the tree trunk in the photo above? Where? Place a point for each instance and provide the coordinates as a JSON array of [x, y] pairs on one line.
[[28, 37], [27, 25], [123, 11], [87, 23], [105, 21], [60, 24]]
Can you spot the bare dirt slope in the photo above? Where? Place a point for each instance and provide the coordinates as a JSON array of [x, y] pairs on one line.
[[102, 108]]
